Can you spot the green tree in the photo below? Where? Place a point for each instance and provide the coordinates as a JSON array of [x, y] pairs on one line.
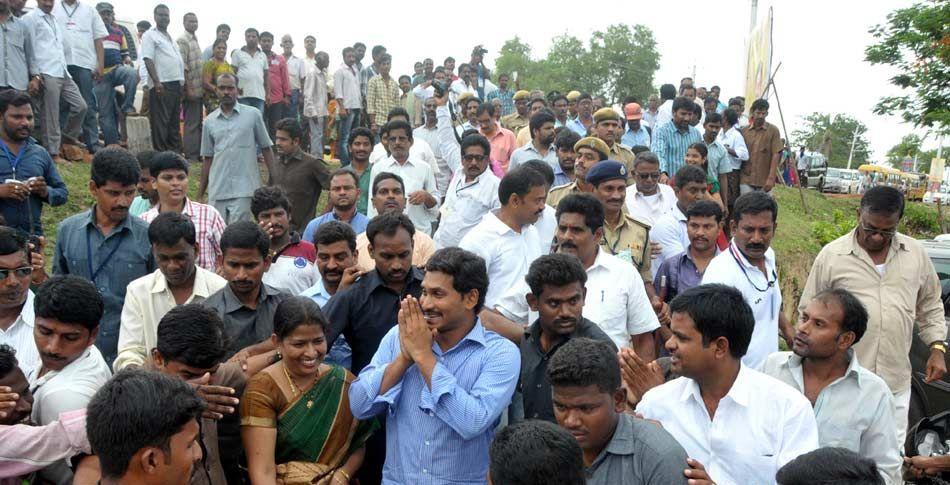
[[916, 42], [909, 147], [832, 135], [515, 56]]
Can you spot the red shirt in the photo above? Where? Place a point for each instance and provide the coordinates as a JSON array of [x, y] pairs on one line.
[[278, 81]]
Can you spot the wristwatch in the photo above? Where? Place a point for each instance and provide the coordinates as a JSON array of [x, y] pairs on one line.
[[939, 345]]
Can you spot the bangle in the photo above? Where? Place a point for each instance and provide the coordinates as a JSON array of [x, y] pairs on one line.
[[345, 475], [939, 345]]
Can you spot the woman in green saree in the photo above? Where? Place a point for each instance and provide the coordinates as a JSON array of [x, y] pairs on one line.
[[295, 415]]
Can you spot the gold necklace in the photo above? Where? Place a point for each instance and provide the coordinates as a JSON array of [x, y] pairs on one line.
[[293, 387]]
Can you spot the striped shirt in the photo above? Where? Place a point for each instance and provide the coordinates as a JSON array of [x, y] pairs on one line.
[[209, 226], [507, 100], [670, 144], [440, 433], [381, 97]]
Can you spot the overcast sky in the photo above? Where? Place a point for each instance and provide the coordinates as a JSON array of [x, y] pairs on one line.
[[819, 43]]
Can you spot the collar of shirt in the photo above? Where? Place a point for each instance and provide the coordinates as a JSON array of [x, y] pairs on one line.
[[461, 183], [318, 288], [125, 225], [496, 225], [200, 287], [350, 69], [622, 443], [390, 161], [678, 214], [234, 111], [82, 362], [530, 147], [476, 334], [740, 392], [498, 132], [373, 280], [26, 316], [232, 303], [794, 365], [897, 243], [741, 258]]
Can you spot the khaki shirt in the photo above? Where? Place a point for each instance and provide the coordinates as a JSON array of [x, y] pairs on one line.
[[763, 144], [907, 294], [560, 192], [514, 122], [623, 155], [629, 241]]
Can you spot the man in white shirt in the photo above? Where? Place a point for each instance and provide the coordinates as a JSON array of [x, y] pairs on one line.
[[177, 281], [166, 72], [541, 146], [16, 299], [734, 143], [68, 309], [424, 90], [473, 191], [429, 133], [420, 149], [296, 72], [669, 230], [647, 199], [349, 101], [664, 114], [749, 266], [250, 66], [83, 32], [852, 405], [293, 266], [740, 424], [507, 239], [417, 175], [315, 100], [54, 86]]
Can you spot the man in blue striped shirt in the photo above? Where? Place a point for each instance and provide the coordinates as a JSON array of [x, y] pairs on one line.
[[671, 140], [440, 378]]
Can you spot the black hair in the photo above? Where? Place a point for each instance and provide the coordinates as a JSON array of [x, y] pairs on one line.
[[170, 227], [754, 203], [267, 34], [538, 99], [683, 102], [829, 466], [252, 29], [883, 200], [535, 452], [221, 27], [397, 111], [638, 149], [539, 119], [584, 96], [387, 224], [470, 131], [114, 164], [704, 208], [380, 177], [162, 161], [377, 50], [701, 148], [566, 140], [161, 5], [290, 126], [269, 197], [713, 118], [718, 310], [485, 108], [347, 171], [359, 44], [245, 235], [475, 140], [520, 181], [583, 362], [690, 174], [12, 241], [358, 132], [854, 317], [119, 422], [468, 271], [730, 116], [69, 299], [645, 157], [295, 311], [555, 270], [760, 105], [667, 91], [143, 25], [584, 204], [543, 168], [192, 334], [684, 87], [347, 49], [8, 360], [335, 231], [447, 59], [404, 76], [400, 125], [557, 97], [13, 98]]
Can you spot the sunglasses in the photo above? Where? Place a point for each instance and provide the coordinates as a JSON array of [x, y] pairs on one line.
[[647, 176], [19, 272], [473, 158]]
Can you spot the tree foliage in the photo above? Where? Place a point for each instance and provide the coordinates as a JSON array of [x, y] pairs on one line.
[[617, 62], [916, 42], [831, 135], [910, 147]]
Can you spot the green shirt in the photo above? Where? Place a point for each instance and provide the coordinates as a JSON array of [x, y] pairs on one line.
[[365, 183], [140, 205]]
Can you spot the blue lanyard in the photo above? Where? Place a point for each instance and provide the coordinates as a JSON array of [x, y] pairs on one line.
[[14, 161], [94, 273]]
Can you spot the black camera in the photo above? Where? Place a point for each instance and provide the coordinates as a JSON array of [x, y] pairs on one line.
[[440, 88]]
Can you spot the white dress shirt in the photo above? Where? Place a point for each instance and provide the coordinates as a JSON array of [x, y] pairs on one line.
[[615, 301], [419, 151], [346, 86], [81, 26], [507, 253], [670, 233], [649, 208], [759, 426], [761, 292], [547, 227], [251, 70], [664, 114], [163, 51], [19, 335], [732, 138], [296, 72], [416, 175], [315, 92], [443, 174], [464, 206], [49, 44], [856, 411], [69, 389], [147, 300]]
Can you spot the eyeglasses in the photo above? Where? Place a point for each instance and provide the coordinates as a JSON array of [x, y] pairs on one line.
[[393, 139], [647, 176], [471, 157], [19, 272], [886, 234]]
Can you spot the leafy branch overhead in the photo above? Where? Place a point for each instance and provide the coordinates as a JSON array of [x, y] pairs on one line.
[[915, 41], [617, 62]]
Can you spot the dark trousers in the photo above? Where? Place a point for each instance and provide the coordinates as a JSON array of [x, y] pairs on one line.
[[90, 123], [191, 141], [163, 115], [275, 112]]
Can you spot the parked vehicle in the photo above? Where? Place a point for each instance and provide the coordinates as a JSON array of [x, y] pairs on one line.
[[927, 399], [841, 181], [817, 166], [932, 197]]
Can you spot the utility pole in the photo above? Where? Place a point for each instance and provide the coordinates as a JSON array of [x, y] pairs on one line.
[[854, 138], [755, 14]]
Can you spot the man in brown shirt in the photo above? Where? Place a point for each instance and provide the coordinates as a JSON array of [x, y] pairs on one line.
[[301, 175], [893, 277], [765, 147]]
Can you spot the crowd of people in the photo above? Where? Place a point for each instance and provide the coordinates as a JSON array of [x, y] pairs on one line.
[[504, 286]]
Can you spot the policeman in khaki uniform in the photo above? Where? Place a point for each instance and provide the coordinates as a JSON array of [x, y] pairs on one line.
[[572, 104], [609, 127], [624, 236], [589, 151], [519, 119]]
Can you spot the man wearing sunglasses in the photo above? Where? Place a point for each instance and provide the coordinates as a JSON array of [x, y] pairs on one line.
[[648, 199], [894, 279], [16, 299]]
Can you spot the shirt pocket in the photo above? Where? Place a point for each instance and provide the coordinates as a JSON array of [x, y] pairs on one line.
[[15, 38], [127, 268], [841, 436]]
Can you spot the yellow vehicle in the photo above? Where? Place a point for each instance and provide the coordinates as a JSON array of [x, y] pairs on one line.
[[916, 185], [881, 175]]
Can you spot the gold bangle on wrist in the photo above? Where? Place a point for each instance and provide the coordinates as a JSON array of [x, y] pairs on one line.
[[939, 346], [345, 475]]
